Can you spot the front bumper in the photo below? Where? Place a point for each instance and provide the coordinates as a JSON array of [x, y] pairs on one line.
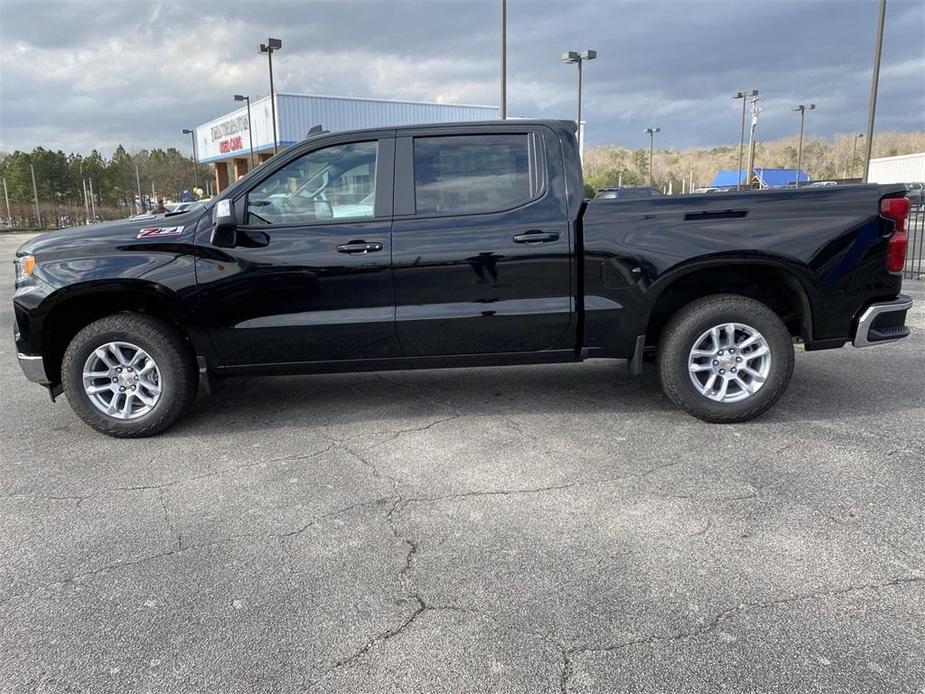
[[884, 321], [33, 368]]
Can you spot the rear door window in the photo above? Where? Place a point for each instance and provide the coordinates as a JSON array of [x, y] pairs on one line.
[[467, 174]]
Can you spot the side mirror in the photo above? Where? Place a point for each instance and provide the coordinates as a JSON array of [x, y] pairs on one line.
[[224, 226]]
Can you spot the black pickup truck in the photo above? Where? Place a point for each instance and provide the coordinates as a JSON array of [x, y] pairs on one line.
[[455, 245]]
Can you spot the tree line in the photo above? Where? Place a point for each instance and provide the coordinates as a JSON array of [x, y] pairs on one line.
[[63, 182], [839, 157]]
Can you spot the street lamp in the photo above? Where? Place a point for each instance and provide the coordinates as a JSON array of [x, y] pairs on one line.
[[192, 137], [269, 47], [578, 58], [250, 130], [802, 108], [651, 133], [744, 96], [854, 152]]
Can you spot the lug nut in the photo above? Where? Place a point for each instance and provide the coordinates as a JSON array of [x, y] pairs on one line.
[[722, 371], [715, 362], [121, 389], [136, 377], [116, 380], [738, 358], [720, 353], [733, 370], [731, 351], [133, 387]]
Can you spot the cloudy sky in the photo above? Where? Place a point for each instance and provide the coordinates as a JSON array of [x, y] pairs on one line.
[[79, 75]]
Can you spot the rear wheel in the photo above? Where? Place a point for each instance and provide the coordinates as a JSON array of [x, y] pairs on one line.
[[725, 358], [129, 375]]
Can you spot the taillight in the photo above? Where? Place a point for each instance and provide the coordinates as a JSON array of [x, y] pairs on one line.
[[896, 210]]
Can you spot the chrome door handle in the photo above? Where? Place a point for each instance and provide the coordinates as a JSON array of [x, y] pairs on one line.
[[533, 237], [359, 247]]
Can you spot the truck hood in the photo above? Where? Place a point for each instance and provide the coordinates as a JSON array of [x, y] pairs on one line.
[[175, 228]]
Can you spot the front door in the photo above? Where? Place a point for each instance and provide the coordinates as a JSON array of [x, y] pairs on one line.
[[310, 278], [481, 243]]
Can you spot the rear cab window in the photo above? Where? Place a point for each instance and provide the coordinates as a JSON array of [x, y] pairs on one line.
[[469, 174]]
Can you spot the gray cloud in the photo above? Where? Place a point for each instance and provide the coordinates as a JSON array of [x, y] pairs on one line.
[[79, 75]]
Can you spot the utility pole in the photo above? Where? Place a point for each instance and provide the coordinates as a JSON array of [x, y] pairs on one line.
[[751, 142], [92, 200], [874, 83], [83, 182], [744, 96], [690, 183], [141, 204], [35, 196], [503, 59], [6, 196]]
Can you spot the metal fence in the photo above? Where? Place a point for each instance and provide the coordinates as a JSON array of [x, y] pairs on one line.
[[915, 254]]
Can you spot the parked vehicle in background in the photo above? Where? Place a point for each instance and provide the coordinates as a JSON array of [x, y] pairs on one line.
[[627, 192], [916, 193], [455, 245], [173, 207]]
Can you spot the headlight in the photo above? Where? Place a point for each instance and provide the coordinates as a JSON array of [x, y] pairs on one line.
[[25, 264]]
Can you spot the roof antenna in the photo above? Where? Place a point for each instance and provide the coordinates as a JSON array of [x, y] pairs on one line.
[[316, 130]]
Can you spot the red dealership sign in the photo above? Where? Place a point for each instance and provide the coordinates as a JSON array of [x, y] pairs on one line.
[[232, 144]]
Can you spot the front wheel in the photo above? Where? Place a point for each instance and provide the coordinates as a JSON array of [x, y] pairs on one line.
[[129, 375], [725, 358]]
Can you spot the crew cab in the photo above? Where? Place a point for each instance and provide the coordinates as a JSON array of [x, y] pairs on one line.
[[449, 246]]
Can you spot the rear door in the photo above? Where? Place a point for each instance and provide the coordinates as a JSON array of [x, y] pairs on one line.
[[310, 278], [480, 242]]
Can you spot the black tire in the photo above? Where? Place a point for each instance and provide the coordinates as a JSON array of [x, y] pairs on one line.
[[179, 377], [689, 323]]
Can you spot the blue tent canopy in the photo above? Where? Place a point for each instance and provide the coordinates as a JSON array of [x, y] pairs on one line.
[[770, 178]]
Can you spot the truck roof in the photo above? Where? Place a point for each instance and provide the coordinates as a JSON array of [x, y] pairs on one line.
[[555, 124]]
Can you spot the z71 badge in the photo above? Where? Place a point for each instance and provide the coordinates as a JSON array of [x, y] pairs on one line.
[[150, 232]]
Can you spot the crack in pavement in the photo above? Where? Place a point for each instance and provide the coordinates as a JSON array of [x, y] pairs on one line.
[[280, 537], [80, 498], [722, 616], [540, 490], [758, 604]]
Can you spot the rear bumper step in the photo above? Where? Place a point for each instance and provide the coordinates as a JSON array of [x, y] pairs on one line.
[[884, 321]]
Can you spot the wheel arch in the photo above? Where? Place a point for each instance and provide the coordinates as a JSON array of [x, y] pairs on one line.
[[779, 285], [71, 309]]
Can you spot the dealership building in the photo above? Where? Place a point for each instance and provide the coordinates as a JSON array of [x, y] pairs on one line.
[[233, 141]]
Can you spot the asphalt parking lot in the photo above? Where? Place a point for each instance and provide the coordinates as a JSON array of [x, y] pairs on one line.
[[529, 529]]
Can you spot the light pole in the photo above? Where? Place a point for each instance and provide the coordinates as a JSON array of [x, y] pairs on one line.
[[874, 83], [744, 96], [250, 132], [503, 59], [651, 133], [192, 137], [269, 47], [854, 153], [802, 108], [578, 58]]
